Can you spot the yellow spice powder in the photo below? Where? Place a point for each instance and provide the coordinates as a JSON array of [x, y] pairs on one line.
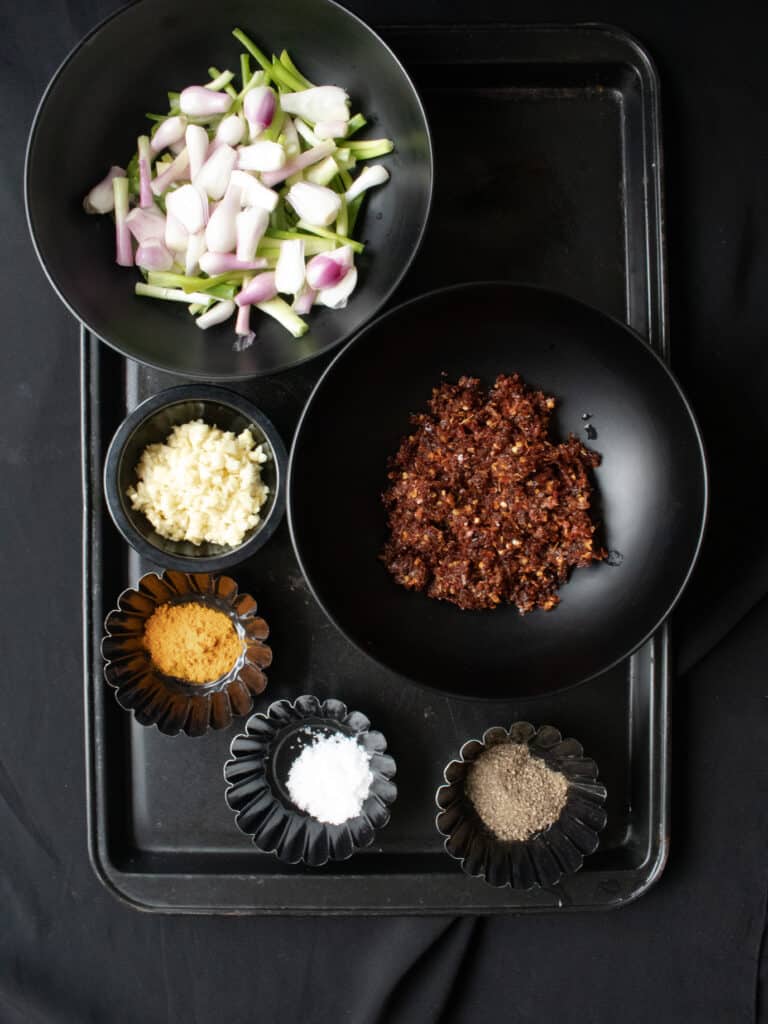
[[192, 642]]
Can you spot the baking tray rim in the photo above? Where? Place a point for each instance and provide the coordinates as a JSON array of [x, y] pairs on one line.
[[651, 870]]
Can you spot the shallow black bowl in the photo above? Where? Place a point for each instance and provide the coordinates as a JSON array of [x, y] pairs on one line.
[[91, 115], [151, 423], [651, 487]]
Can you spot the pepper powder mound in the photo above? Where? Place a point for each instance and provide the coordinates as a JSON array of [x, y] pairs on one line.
[[483, 507], [192, 642], [514, 793]]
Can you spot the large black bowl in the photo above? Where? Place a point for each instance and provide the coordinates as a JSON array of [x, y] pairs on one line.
[[651, 487], [93, 110]]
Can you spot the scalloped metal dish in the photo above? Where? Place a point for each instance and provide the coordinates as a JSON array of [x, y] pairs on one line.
[[575, 114]]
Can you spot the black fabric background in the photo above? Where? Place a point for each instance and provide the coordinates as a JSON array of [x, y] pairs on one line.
[[692, 948]]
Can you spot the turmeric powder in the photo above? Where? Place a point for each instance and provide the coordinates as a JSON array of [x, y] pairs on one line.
[[192, 642]]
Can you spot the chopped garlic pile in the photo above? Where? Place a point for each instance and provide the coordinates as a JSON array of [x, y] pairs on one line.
[[202, 484]]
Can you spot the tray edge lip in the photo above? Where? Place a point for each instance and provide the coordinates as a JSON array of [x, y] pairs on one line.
[[648, 876], [92, 772]]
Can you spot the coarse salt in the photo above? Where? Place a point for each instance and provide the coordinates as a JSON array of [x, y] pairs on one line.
[[331, 778]]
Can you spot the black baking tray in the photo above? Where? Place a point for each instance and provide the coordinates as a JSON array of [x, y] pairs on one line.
[[548, 157]]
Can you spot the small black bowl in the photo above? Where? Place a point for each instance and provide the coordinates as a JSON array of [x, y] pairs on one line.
[[151, 423], [92, 116], [257, 774], [544, 858]]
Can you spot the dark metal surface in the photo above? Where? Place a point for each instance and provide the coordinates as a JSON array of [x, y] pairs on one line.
[[569, 197]]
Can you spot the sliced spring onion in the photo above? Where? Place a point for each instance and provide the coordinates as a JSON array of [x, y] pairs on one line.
[[282, 312], [259, 108], [312, 245], [198, 101], [263, 156], [191, 284], [176, 235], [171, 130], [194, 252], [331, 129], [353, 210], [231, 130], [196, 139], [172, 173], [367, 178], [259, 289], [342, 221], [255, 180], [288, 64], [219, 80], [123, 245], [283, 78], [355, 246], [144, 224], [217, 314], [314, 204], [221, 230], [252, 48], [101, 198], [245, 69], [144, 152], [189, 205], [321, 103], [366, 149], [214, 263], [322, 173], [213, 177], [355, 124], [154, 255], [337, 295], [252, 192], [304, 301], [243, 322], [153, 291], [250, 226], [298, 163], [289, 272]]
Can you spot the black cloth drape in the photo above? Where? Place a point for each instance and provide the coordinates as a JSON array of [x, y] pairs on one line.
[[692, 948]]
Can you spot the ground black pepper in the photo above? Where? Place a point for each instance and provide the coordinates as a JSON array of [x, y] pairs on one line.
[[515, 793]]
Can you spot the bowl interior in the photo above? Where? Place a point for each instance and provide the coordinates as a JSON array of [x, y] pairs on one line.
[[162, 45], [650, 487], [154, 429]]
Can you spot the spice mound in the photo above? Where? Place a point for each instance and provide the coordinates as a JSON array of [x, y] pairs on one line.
[[483, 507], [201, 485], [331, 778], [192, 642], [515, 793]]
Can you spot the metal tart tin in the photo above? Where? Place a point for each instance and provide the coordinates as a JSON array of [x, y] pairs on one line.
[[176, 705], [544, 858], [256, 778]]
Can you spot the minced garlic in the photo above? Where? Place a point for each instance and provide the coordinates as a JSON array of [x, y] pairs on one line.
[[201, 485]]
